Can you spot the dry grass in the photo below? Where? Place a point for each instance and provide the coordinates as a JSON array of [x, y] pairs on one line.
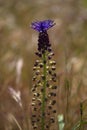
[[19, 42]]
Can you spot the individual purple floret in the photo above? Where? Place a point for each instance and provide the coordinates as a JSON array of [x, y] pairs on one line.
[[42, 26]]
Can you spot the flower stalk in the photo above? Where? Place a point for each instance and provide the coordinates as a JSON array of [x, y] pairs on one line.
[[44, 90]]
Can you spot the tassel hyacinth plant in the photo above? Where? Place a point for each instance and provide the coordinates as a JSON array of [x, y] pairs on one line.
[[44, 81]]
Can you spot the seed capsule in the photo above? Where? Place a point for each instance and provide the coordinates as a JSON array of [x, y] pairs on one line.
[[34, 78], [54, 87], [33, 104], [53, 102], [53, 79], [34, 68], [41, 65], [47, 126], [33, 115], [35, 108], [37, 72], [33, 99], [37, 61], [50, 107], [52, 120], [54, 111], [47, 67], [53, 67]]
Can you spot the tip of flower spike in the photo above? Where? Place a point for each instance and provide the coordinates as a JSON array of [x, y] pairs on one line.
[[42, 26]]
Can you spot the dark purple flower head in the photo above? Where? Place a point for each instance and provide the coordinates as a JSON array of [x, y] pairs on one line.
[[42, 26]]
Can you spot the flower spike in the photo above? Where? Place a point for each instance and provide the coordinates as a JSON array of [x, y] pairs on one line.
[[44, 79]]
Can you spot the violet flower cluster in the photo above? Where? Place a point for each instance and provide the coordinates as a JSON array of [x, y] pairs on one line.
[[44, 80]]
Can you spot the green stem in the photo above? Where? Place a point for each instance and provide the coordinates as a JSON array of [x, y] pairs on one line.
[[81, 120], [44, 91]]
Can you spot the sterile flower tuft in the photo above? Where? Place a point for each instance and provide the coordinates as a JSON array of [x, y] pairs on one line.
[[41, 26]]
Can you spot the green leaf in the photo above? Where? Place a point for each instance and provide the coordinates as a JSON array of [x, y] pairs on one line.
[[61, 122], [77, 126]]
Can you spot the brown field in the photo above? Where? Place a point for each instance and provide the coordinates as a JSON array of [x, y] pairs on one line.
[[18, 44]]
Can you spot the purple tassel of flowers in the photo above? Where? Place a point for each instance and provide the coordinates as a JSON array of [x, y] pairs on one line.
[[44, 80]]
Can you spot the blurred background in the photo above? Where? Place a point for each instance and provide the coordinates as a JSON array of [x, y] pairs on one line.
[[18, 44]]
